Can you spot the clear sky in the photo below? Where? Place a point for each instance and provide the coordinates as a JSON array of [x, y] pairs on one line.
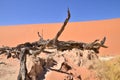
[[14, 12]]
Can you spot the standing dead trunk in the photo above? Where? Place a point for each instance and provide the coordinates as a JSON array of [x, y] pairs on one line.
[[23, 70]]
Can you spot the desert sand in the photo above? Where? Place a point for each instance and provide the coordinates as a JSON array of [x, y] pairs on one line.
[[78, 31]]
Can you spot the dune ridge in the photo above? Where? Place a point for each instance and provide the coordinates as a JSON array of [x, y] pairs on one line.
[[78, 31]]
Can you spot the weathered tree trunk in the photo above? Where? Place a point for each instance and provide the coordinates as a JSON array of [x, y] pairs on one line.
[[23, 70]]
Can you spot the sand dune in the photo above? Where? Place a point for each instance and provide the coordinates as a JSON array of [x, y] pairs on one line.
[[78, 31]]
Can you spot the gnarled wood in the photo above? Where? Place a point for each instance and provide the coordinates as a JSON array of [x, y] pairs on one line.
[[35, 48], [23, 70]]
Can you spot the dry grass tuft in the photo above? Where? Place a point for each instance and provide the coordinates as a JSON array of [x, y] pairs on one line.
[[108, 70]]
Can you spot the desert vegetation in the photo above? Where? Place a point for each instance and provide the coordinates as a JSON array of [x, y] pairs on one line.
[[108, 70]]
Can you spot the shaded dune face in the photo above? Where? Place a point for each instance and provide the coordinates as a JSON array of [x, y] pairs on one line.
[[78, 31]]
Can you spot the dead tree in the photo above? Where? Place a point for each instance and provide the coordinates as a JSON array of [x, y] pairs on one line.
[[35, 48]]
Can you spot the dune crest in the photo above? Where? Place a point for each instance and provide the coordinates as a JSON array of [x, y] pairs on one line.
[[78, 31]]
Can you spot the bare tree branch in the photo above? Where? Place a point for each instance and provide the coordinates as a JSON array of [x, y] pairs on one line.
[[41, 37], [62, 28]]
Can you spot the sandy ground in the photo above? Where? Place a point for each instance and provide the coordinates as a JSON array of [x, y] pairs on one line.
[[9, 68], [78, 31]]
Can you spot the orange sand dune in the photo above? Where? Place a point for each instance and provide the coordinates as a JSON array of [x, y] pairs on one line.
[[78, 31]]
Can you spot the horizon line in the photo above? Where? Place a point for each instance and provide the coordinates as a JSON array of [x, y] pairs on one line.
[[58, 22]]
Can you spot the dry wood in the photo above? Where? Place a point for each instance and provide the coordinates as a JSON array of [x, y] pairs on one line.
[[62, 28], [23, 70], [35, 48]]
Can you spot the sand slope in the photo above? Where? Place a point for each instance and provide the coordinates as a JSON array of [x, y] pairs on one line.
[[78, 31]]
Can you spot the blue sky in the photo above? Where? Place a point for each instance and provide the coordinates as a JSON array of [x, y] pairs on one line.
[[13, 12]]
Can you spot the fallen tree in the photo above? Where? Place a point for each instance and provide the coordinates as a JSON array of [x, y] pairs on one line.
[[35, 48]]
